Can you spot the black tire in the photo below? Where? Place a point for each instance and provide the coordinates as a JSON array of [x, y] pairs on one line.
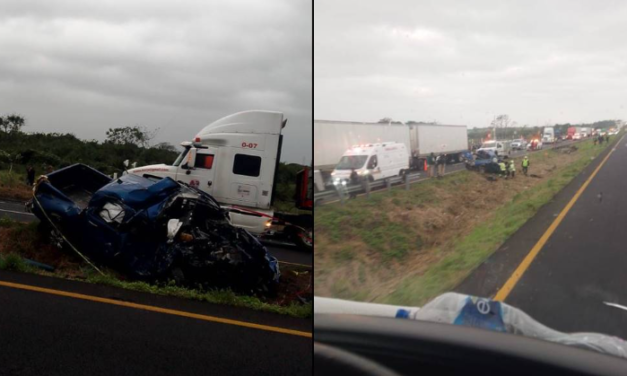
[[303, 239]]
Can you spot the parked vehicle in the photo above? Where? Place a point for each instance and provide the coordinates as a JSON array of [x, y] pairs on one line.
[[233, 159], [372, 161], [548, 135], [484, 161], [450, 140], [535, 144], [150, 229], [500, 147], [519, 144], [571, 133], [577, 136], [333, 138], [296, 228]]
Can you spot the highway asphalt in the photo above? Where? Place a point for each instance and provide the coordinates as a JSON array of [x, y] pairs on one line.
[[285, 253], [583, 264], [45, 334]]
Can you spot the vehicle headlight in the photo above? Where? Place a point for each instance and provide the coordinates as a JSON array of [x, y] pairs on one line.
[[336, 182], [365, 172], [343, 182]]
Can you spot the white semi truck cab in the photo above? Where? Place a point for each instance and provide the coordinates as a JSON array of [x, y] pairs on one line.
[[234, 159]]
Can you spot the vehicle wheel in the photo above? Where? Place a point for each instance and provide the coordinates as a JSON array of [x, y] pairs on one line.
[[303, 239]]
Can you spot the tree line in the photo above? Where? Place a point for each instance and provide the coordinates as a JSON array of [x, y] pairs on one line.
[[56, 150]]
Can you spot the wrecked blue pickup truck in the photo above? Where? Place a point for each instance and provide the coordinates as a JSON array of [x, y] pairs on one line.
[[151, 229]]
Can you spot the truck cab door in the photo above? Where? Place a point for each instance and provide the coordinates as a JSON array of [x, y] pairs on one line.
[[198, 169]]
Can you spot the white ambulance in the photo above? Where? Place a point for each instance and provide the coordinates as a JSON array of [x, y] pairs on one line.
[[372, 161]]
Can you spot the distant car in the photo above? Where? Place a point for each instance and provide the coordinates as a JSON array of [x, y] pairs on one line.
[[538, 144], [519, 144], [577, 136]]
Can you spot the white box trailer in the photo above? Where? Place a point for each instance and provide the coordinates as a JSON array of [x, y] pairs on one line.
[[438, 139], [333, 138]]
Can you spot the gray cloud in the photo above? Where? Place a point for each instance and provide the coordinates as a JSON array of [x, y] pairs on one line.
[[463, 62], [83, 67]]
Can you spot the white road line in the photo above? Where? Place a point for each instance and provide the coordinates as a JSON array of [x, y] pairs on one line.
[[615, 305], [15, 212]]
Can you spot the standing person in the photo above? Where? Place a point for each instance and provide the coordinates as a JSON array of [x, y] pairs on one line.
[[502, 168], [430, 164], [512, 168], [441, 164], [525, 164], [354, 179], [30, 175]]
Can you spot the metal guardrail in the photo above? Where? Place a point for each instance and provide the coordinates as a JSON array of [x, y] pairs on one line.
[[343, 192]]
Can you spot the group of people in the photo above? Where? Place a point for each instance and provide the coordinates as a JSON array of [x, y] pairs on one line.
[[600, 138], [438, 162], [507, 167]]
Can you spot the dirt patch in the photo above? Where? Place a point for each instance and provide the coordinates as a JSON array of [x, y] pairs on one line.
[[431, 217], [18, 193]]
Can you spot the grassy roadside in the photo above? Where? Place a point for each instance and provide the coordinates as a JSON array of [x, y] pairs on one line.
[[13, 186], [405, 247], [20, 242], [473, 249]]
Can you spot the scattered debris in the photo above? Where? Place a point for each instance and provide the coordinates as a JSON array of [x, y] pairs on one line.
[[39, 265], [151, 229], [600, 196], [569, 149]]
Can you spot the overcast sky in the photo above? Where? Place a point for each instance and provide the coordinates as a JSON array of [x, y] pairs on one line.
[[84, 66], [462, 62]]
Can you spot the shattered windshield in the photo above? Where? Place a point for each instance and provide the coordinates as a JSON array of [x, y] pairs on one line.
[[535, 224], [351, 162]]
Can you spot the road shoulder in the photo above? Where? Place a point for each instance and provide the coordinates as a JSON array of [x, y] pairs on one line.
[[492, 274]]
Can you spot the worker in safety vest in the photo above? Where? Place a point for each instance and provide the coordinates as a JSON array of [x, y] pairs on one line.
[[511, 169], [503, 168], [525, 164]]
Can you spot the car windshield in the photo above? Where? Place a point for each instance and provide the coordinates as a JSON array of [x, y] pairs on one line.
[[349, 162], [540, 228], [180, 158]]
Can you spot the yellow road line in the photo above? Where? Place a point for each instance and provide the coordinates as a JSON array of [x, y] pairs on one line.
[[526, 262], [291, 263], [157, 309]]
